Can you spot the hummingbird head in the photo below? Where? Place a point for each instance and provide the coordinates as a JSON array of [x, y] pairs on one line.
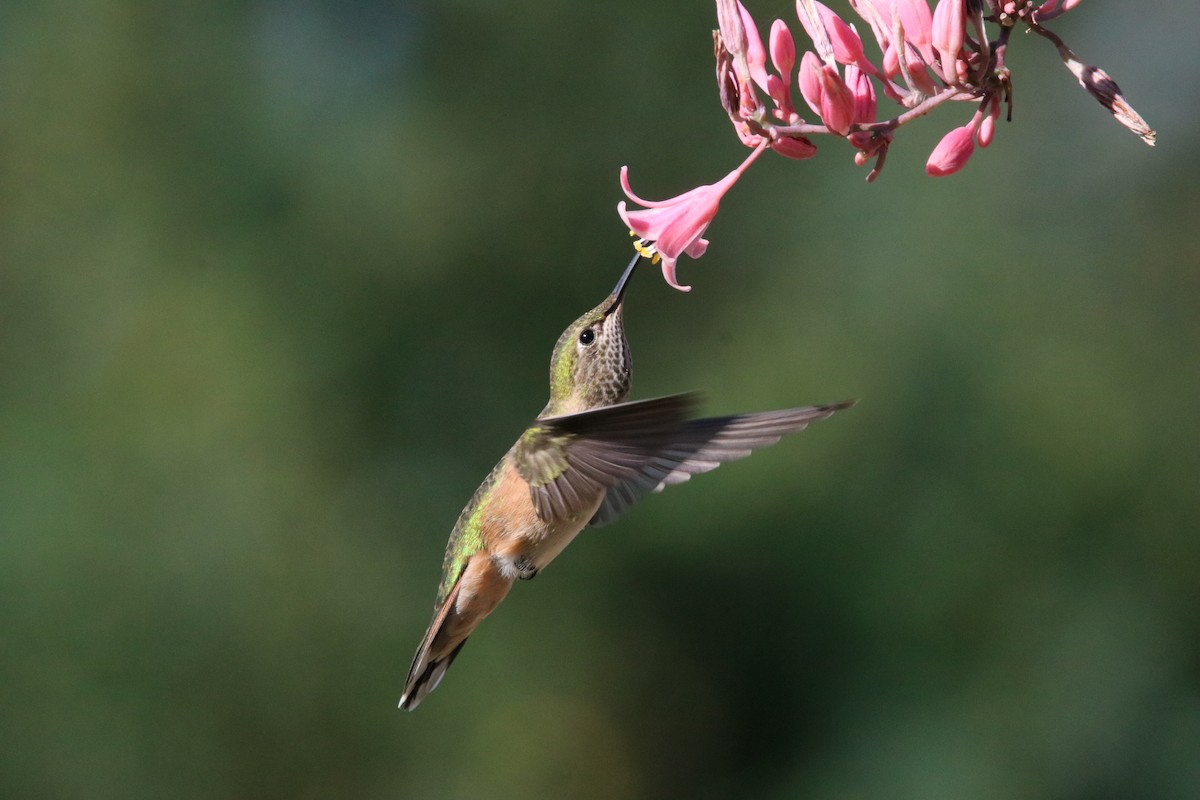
[[590, 366]]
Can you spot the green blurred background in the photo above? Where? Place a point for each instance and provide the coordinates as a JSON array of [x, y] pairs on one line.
[[279, 283]]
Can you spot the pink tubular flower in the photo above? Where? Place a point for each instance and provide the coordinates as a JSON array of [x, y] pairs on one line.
[[953, 151], [675, 226]]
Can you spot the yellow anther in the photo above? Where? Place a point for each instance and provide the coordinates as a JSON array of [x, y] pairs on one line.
[[647, 249]]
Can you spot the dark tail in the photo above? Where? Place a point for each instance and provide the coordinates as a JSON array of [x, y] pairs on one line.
[[424, 681], [426, 671]]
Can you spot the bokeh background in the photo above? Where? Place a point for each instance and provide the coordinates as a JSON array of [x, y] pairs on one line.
[[279, 283]]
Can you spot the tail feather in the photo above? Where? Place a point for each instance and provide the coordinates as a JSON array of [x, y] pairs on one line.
[[426, 671], [476, 592], [421, 683]]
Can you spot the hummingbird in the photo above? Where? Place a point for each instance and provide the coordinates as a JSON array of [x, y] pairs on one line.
[[586, 458]]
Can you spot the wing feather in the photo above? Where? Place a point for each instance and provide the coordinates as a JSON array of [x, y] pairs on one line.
[[702, 445]]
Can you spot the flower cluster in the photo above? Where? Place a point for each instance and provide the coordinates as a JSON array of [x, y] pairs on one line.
[[952, 52]]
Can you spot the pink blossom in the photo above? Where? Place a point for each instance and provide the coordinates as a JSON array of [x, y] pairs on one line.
[[835, 41], [826, 94], [675, 226], [900, 24], [953, 151], [847, 47], [912, 15], [917, 22], [948, 34], [917, 68]]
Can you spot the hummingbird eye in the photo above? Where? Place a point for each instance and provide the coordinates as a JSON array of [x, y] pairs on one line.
[[587, 336]]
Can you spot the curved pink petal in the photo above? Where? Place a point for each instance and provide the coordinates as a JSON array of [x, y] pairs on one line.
[[629, 192], [668, 271]]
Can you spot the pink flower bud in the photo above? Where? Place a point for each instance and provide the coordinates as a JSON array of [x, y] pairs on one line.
[[952, 152], [847, 47], [798, 148], [863, 92], [756, 56], [987, 128], [916, 68], [826, 94], [837, 102], [810, 81], [783, 50], [948, 33], [778, 91], [917, 22]]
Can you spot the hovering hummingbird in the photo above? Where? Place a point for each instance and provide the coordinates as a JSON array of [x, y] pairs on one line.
[[585, 460]]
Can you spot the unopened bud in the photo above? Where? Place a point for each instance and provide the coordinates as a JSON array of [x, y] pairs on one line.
[[783, 50], [798, 148], [729, 20], [1100, 86], [952, 152]]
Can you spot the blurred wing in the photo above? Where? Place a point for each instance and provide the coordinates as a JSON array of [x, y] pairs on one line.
[[699, 446], [571, 460]]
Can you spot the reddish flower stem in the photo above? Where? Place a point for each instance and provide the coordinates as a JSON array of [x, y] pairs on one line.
[[920, 110]]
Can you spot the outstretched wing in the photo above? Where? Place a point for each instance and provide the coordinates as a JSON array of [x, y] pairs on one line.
[[624, 451], [572, 460], [701, 445]]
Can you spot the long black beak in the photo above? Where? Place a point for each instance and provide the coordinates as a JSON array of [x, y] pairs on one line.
[[619, 292]]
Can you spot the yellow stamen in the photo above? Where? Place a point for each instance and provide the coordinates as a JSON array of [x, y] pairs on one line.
[[647, 249]]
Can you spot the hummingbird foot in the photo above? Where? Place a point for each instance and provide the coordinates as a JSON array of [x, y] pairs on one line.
[[526, 569]]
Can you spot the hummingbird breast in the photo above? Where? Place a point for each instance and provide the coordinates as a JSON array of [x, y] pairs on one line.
[[516, 536]]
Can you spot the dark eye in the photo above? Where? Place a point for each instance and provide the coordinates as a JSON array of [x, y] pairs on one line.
[[587, 337]]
